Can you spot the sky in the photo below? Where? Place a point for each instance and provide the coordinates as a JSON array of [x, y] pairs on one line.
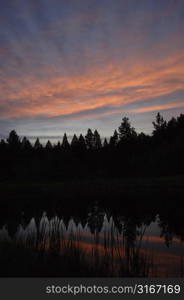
[[70, 65]]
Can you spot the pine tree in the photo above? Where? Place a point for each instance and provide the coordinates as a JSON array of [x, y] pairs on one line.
[[65, 144], [89, 138], [82, 143], [105, 143], [37, 144], [58, 146], [26, 145], [13, 140], [180, 122], [3, 145], [74, 142], [126, 131], [160, 126], [97, 140], [114, 139], [48, 145], [160, 123]]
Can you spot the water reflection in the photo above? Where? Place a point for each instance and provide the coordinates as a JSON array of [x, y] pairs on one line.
[[110, 245]]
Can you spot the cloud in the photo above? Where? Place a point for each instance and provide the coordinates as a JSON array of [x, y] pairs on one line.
[[90, 60], [56, 94], [157, 108]]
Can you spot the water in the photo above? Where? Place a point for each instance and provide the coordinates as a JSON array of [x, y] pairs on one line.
[[120, 245]]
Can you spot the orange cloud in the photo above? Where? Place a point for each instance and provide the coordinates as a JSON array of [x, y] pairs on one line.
[[157, 108], [116, 84]]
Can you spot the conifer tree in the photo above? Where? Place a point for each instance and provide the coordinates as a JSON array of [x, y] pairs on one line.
[[97, 140], [114, 139], [160, 126], [126, 131], [13, 140], [105, 143], [26, 145], [89, 139], [37, 144], [82, 143], [74, 142], [48, 145], [65, 144]]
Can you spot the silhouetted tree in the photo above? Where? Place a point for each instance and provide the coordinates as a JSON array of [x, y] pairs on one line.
[[74, 142], [160, 126], [26, 145], [126, 154], [37, 144], [82, 143], [97, 140], [126, 131], [3, 145], [114, 139], [143, 138], [172, 128], [13, 140], [105, 143], [160, 122], [48, 145], [89, 138], [65, 144], [180, 122], [58, 146]]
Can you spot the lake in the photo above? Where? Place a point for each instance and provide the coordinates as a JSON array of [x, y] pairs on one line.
[[107, 245]]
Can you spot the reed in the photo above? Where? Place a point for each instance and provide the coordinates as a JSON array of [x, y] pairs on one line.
[[98, 248]]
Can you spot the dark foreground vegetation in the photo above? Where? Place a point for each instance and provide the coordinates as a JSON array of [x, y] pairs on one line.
[[95, 245], [54, 247], [125, 154]]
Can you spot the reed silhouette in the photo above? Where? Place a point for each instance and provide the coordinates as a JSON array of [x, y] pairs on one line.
[[101, 246]]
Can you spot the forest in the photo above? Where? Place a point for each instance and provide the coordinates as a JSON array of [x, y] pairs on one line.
[[125, 154]]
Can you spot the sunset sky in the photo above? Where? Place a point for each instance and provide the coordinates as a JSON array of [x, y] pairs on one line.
[[70, 65]]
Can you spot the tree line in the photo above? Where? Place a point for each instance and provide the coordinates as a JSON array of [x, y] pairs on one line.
[[125, 153]]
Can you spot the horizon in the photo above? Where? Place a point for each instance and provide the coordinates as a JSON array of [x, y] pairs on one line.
[[59, 138]]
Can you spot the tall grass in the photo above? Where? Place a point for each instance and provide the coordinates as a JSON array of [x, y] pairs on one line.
[[98, 245]]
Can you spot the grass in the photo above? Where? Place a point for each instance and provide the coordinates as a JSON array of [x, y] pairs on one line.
[[51, 249]]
